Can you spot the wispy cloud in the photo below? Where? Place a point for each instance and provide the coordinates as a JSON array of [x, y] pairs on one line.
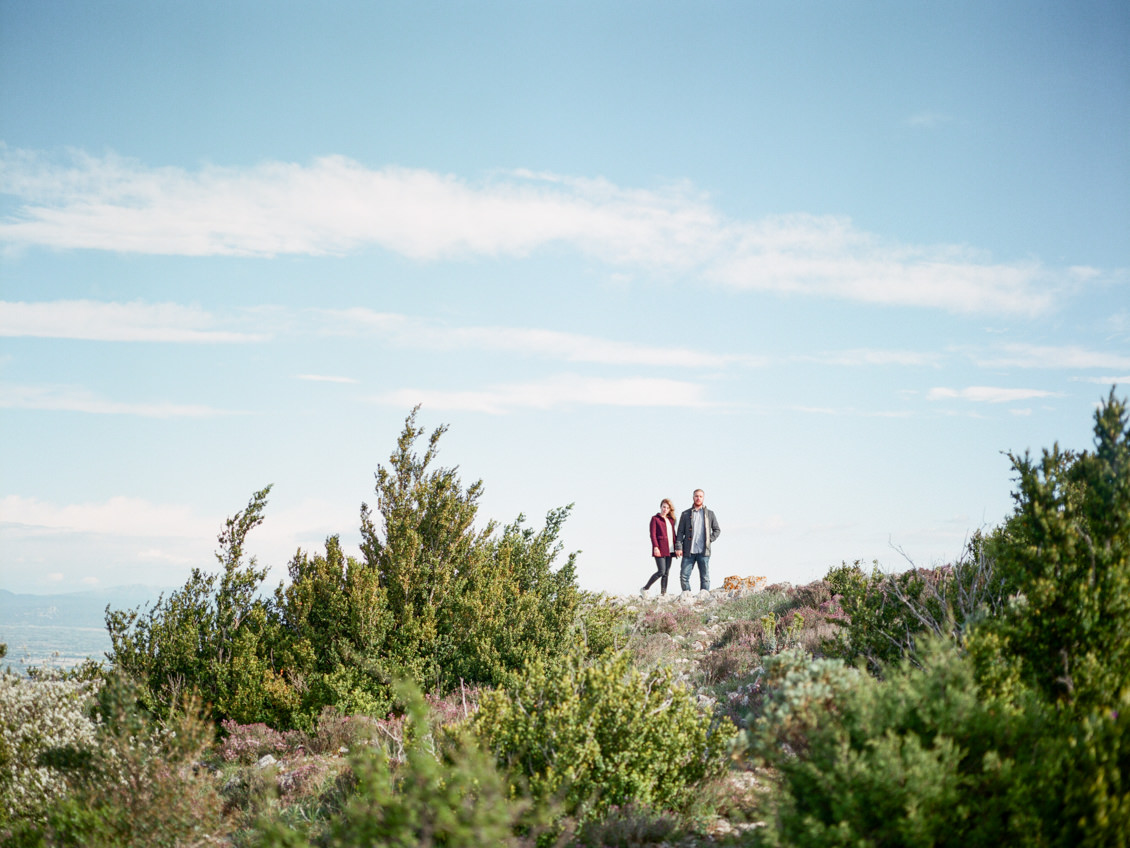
[[988, 394], [335, 205], [552, 344], [557, 391], [73, 399], [1049, 356], [119, 516], [324, 378], [851, 412], [872, 356], [114, 322], [1124, 380]]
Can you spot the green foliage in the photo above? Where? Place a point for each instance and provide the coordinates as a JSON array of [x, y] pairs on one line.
[[445, 792], [426, 539], [208, 638], [602, 735], [916, 759], [887, 614], [1005, 722], [604, 627], [802, 693], [432, 600], [514, 609], [1066, 553], [334, 622], [133, 784]]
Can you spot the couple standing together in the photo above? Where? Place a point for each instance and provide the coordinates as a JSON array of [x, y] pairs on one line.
[[690, 539]]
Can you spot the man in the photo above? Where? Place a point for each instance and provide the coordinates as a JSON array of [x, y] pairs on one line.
[[698, 527]]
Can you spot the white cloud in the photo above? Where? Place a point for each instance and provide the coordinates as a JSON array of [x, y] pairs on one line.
[[557, 391], [55, 577], [163, 556], [323, 378], [851, 412], [987, 394], [113, 322], [120, 516], [90, 581], [1124, 380], [871, 356], [71, 399], [335, 205], [569, 347], [1048, 356]]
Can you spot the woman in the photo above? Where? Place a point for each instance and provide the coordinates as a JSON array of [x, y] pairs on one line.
[[662, 543]]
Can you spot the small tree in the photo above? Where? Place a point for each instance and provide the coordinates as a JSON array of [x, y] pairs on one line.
[[425, 541], [1066, 551], [208, 637]]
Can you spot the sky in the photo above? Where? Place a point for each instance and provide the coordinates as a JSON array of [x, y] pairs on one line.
[[830, 262]]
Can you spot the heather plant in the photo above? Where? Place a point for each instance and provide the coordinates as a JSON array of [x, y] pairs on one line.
[[602, 735], [735, 658], [246, 743], [36, 716], [677, 620], [883, 616]]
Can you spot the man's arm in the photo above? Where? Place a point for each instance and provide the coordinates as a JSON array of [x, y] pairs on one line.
[[715, 529]]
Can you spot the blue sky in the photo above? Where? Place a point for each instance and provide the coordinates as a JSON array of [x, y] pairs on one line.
[[827, 261]]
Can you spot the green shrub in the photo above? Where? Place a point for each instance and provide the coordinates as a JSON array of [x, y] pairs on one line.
[[881, 617], [917, 759], [138, 783], [603, 627], [432, 600], [797, 694], [211, 639], [601, 736], [1066, 553], [447, 791]]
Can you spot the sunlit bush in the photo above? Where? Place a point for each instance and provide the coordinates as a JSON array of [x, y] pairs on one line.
[[35, 716], [602, 735]]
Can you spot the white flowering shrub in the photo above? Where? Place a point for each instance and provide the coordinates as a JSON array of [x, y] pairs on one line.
[[35, 716]]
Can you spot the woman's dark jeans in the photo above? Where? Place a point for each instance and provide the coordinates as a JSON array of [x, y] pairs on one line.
[[662, 569]]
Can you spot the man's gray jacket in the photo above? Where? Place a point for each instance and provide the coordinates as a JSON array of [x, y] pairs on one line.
[[684, 536]]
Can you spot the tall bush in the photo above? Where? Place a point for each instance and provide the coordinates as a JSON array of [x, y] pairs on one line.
[[432, 599], [1066, 552], [210, 638]]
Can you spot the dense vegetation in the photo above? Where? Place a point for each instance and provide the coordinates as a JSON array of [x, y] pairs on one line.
[[985, 702], [432, 600]]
